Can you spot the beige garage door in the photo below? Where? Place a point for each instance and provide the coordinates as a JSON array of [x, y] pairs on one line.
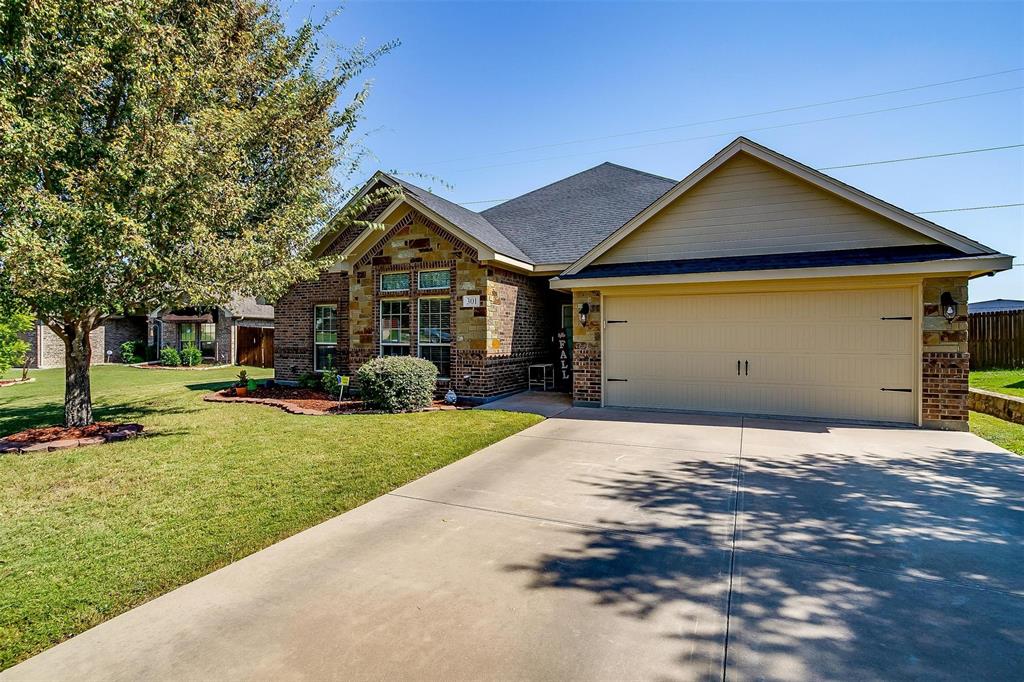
[[837, 354]]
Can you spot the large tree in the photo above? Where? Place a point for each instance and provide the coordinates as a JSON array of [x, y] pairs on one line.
[[156, 152]]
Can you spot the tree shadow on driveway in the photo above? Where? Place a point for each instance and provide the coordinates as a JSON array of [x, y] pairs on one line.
[[841, 566]]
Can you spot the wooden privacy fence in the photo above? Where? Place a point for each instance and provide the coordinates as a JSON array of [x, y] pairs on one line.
[[996, 339], [255, 346]]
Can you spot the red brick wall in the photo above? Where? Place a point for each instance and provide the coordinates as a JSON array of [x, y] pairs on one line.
[[945, 362], [586, 350]]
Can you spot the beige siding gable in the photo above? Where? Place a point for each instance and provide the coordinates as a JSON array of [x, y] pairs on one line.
[[748, 207]]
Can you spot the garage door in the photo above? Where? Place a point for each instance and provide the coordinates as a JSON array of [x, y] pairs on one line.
[[849, 354]]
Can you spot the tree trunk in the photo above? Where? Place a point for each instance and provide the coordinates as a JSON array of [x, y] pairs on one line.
[[77, 390]]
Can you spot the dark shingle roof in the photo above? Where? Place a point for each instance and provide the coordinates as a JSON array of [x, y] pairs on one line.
[[560, 222], [997, 305], [773, 261], [473, 223], [249, 307]]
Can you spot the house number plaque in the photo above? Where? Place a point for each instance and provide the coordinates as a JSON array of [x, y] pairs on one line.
[[471, 301]]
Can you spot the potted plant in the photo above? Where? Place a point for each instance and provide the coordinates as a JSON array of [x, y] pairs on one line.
[[242, 387]]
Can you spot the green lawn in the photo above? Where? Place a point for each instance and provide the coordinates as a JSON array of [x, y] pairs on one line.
[[1003, 433], [1008, 381], [89, 533]]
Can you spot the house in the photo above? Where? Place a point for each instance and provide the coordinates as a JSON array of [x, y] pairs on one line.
[[241, 332], [46, 349], [755, 285], [998, 305]]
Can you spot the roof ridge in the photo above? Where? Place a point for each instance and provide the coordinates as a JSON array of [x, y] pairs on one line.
[[555, 182], [637, 170]]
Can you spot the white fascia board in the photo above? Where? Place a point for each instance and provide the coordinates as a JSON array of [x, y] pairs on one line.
[[956, 266]]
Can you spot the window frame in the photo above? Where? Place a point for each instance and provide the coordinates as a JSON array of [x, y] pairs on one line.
[[408, 282], [420, 344], [381, 343], [316, 343], [419, 280]]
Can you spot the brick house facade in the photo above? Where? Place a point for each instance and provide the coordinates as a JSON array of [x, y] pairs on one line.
[[861, 325], [46, 349]]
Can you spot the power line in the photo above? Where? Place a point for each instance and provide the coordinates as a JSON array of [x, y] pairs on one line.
[[850, 165], [728, 118], [918, 158], [969, 208], [745, 131]]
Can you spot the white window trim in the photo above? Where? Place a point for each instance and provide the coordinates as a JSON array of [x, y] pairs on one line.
[[420, 344], [420, 273], [321, 343], [380, 282], [380, 327]]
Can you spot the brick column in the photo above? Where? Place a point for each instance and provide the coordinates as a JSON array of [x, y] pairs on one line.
[[945, 362], [586, 351]]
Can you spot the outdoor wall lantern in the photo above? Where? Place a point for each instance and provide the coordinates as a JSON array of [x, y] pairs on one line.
[[584, 313], [948, 306]]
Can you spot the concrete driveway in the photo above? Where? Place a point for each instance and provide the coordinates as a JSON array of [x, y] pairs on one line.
[[617, 545]]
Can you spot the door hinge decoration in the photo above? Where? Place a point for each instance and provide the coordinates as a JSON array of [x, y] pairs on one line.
[[616, 321], [898, 318], [610, 379], [899, 390]]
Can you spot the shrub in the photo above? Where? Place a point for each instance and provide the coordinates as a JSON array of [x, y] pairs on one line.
[[191, 356], [169, 357], [397, 384], [309, 380], [128, 354], [329, 381]]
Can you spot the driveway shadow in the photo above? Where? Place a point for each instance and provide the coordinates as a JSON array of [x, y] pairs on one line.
[[844, 567]]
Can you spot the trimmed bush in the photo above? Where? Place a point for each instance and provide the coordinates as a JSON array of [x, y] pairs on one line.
[[128, 355], [329, 381], [169, 357], [191, 356], [397, 384]]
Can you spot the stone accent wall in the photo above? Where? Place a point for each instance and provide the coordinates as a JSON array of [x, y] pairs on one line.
[[586, 350], [1008, 407], [945, 362]]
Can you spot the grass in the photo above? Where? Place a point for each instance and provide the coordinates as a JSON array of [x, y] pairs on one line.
[[89, 533], [1003, 433], [1008, 381]]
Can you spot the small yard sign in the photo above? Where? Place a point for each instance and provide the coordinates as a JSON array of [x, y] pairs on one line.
[[471, 301], [343, 381]]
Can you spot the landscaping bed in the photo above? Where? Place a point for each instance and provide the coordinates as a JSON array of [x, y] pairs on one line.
[[157, 365], [46, 438], [15, 382], [297, 400]]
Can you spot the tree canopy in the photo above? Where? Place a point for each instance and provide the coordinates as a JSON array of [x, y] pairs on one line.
[[157, 152]]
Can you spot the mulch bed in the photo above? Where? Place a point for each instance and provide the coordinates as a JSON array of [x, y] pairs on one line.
[[193, 368], [308, 401], [14, 382], [46, 438]]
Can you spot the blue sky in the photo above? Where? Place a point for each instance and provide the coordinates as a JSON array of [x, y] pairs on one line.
[[473, 80]]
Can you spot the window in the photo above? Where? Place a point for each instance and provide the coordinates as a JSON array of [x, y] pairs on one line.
[[186, 335], [435, 335], [207, 338], [325, 336], [434, 279], [394, 327], [394, 281]]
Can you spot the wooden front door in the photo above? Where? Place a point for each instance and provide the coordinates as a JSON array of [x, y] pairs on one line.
[[255, 346]]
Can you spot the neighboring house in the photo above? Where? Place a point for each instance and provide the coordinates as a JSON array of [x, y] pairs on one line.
[[46, 349], [755, 285], [241, 332], [998, 305]]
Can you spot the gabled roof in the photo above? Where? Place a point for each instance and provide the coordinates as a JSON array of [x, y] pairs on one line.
[[997, 305], [250, 308], [560, 222], [468, 221], [742, 145]]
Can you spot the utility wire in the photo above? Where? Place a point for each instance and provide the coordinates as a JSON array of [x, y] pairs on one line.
[[745, 131], [728, 118], [969, 208], [850, 165]]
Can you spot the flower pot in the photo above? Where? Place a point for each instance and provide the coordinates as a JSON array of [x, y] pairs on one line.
[[241, 391]]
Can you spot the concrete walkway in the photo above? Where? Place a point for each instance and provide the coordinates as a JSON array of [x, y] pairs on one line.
[[620, 545]]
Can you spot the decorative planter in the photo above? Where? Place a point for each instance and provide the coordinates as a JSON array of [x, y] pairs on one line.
[[241, 391]]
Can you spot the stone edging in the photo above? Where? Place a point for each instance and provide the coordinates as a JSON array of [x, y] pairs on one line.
[[124, 433], [18, 382], [1008, 407], [295, 409], [193, 368]]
